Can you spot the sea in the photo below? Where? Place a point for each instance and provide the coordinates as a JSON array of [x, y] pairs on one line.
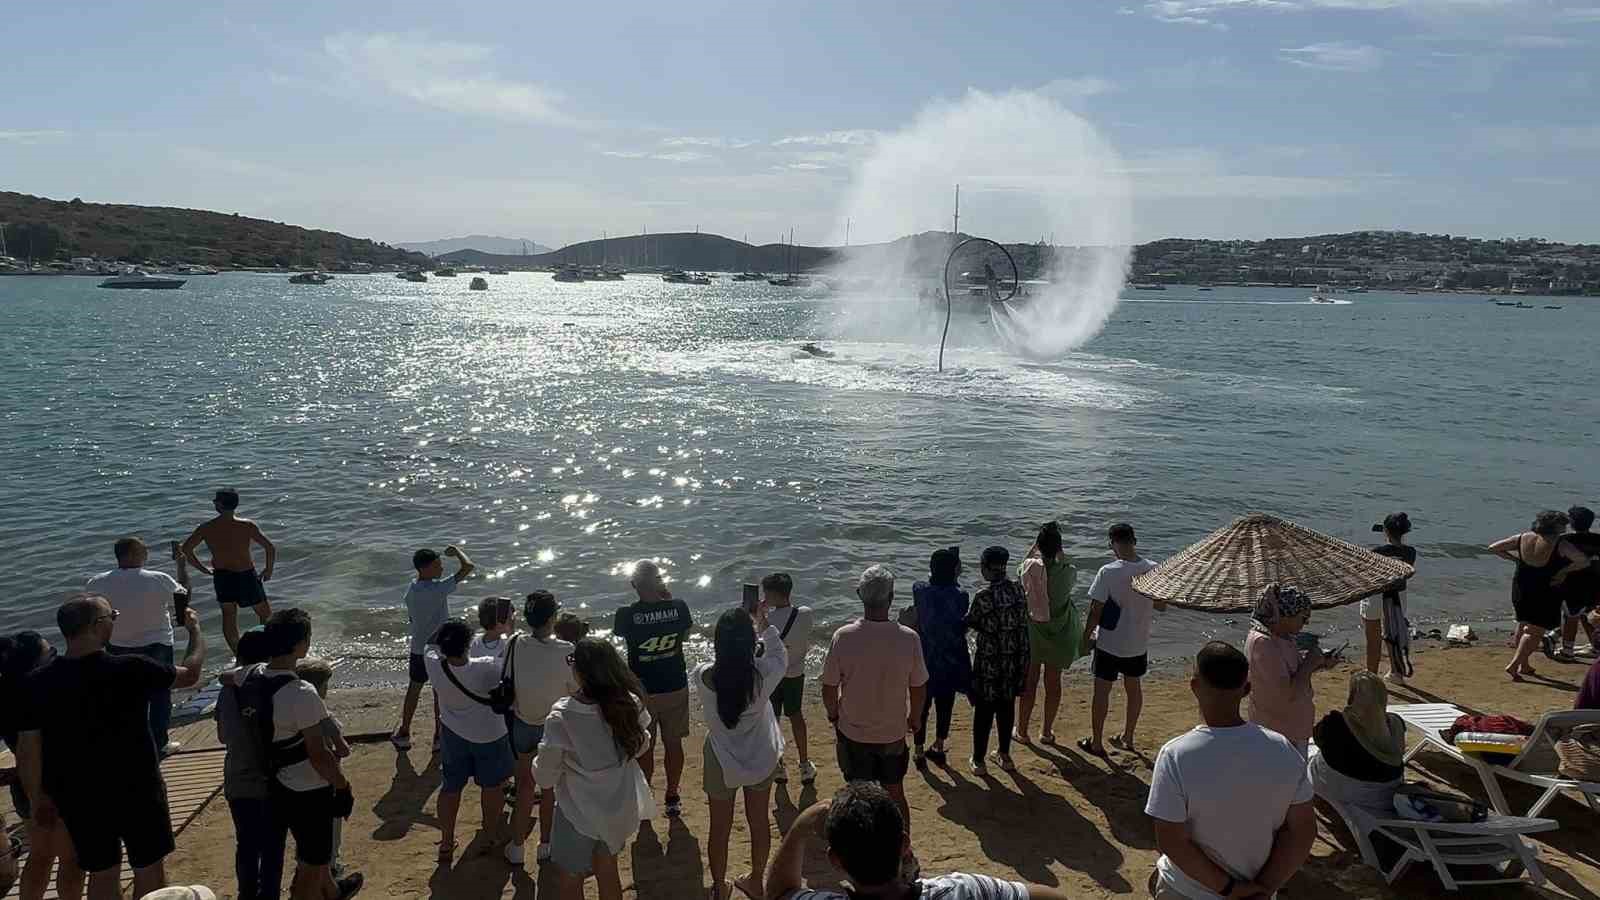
[[557, 432]]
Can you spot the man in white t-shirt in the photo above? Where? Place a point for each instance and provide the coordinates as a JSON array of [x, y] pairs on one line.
[[866, 838], [1122, 648], [794, 624], [498, 621], [309, 790], [474, 744], [427, 603], [1230, 800], [143, 627]]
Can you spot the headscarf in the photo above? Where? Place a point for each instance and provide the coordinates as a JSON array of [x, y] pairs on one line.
[[1378, 731], [1277, 603]]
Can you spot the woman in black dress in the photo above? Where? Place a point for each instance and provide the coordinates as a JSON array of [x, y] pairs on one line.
[[1543, 561]]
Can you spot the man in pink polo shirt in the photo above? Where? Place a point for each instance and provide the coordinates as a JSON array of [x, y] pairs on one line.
[[872, 679]]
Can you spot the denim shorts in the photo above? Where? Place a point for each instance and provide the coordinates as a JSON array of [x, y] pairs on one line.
[[525, 738], [491, 764]]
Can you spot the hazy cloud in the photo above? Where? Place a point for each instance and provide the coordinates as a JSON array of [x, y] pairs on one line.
[[846, 137], [718, 142], [676, 156], [1537, 139], [1334, 56], [448, 75], [32, 137], [1077, 88]]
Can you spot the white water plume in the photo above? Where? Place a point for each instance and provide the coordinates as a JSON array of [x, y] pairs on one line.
[[1028, 168]]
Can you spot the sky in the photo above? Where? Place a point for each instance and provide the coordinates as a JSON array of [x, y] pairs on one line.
[[556, 122]]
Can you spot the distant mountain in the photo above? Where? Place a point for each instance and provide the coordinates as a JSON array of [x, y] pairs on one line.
[[59, 229], [481, 242], [686, 250]]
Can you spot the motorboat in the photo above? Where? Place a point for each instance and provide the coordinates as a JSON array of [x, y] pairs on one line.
[[310, 278], [413, 275], [479, 284], [445, 272], [750, 276], [606, 274], [787, 281], [499, 272], [1320, 295], [1147, 286], [676, 276], [813, 350], [137, 280], [569, 273]]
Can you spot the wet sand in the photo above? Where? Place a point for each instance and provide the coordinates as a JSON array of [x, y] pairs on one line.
[[1064, 819]]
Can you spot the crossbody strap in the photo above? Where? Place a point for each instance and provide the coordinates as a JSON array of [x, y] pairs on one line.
[[445, 665], [794, 613]]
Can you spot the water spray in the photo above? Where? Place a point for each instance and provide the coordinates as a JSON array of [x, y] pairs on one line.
[[995, 287]]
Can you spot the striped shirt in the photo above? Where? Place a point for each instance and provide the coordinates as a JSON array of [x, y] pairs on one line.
[[955, 886]]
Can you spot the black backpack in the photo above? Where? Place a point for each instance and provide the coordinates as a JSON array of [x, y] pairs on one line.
[[255, 711]]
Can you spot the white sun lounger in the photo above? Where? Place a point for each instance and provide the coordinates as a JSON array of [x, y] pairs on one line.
[[1430, 720], [1496, 842]]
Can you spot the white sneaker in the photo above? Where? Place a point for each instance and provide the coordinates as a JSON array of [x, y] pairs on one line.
[[808, 772], [543, 853], [515, 854]]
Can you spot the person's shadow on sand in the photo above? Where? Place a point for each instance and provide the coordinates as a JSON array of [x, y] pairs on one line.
[[1020, 825], [818, 872], [674, 870], [401, 806], [1119, 794]]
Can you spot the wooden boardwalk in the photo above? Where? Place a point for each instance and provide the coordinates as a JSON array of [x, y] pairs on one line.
[[193, 776]]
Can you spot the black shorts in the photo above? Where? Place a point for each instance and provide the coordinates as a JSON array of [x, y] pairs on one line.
[[308, 815], [101, 828], [788, 696], [417, 669], [1108, 667], [883, 763], [238, 588]]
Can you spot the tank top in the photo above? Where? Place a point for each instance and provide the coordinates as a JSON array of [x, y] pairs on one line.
[[1531, 584]]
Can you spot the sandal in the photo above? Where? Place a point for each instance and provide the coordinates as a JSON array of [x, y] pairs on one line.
[[1121, 744], [1049, 738], [1087, 746], [937, 756]]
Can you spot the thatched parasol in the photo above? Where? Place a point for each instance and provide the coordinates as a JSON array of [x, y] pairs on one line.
[[1227, 571]]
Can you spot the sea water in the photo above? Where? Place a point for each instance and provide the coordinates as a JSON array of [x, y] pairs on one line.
[[559, 431]]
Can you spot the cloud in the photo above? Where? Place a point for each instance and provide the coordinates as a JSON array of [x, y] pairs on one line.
[[718, 142], [1077, 88], [677, 156], [447, 75], [1334, 56], [1540, 42], [35, 136], [1537, 139], [1207, 12], [846, 137]]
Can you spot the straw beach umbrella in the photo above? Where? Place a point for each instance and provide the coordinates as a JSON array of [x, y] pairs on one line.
[[1227, 570]]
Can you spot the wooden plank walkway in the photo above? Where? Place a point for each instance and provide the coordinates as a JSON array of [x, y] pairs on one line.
[[194, 779]]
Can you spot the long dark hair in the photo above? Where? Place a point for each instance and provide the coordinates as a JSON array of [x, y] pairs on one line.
[[1049, 541], [733, 671], [607, 681]]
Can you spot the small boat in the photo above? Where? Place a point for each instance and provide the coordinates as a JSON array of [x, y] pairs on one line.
[[569, 273], [813, 350], [676, 276], [750, 276], [479, 284], [137, 280], [1147, 286], [310, 278], [1321, 295], [1552, 307], [1205, 289], [499, 272], [413, 275], [786, 281], [445, 272], [606, 274]]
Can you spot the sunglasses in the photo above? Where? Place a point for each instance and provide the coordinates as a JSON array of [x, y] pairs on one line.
[[112, 617]]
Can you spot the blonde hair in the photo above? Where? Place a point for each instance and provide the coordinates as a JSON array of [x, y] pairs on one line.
[[316, 672]]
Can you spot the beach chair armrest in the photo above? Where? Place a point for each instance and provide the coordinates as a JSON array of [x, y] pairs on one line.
[[1495, 825]]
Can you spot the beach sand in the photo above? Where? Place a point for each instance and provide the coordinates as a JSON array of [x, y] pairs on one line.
[[1064, 819]]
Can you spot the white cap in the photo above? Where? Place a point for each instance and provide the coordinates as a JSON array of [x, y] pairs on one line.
[[192, 892]]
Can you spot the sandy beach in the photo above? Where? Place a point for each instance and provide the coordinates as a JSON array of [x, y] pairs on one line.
[[1063, 819]]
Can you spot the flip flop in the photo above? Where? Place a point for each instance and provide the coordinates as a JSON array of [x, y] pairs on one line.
[[1088, 747], [938, 756], [1121, 744]]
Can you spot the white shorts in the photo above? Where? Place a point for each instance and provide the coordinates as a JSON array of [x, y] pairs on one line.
[[1372, 609]]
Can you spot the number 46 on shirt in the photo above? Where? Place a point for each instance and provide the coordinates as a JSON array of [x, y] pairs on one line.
[[660, 644]]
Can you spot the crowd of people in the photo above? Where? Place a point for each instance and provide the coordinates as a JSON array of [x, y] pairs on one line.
[[564, 726]]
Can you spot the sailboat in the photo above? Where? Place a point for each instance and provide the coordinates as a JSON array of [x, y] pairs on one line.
[[748, 275], [605, 272], [791, 279]]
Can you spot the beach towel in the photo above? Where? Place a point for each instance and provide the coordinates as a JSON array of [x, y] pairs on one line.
[[1397, 634]]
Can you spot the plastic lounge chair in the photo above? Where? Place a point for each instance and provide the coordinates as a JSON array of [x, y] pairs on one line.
[[1430, 720], [1496, 842]]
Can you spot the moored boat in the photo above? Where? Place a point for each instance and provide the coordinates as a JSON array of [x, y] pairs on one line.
[[137, 280]]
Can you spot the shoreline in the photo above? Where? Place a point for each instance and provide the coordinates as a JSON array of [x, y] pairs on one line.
[[1065, 819]]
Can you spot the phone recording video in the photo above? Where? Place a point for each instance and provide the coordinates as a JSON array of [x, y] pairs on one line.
[[752, 598]]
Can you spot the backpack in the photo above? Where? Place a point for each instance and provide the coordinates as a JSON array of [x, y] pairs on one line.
[[255, 711]]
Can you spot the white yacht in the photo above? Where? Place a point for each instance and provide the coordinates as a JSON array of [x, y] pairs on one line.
[[137, 280]]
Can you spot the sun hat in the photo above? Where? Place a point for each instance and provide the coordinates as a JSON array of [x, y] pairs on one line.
[[1379, 732]]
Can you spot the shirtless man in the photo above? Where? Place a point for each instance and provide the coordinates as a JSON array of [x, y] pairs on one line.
[[232, 570]]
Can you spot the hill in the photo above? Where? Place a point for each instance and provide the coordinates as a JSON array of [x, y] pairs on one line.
[[687, 250], [483, 242], [61, 229]]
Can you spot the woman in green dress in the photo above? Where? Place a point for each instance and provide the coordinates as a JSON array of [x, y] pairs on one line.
[[1054, 628]]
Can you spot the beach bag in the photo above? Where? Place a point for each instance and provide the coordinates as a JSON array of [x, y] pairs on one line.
[[1421, 803], [1579, 752], [1110, 614]]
